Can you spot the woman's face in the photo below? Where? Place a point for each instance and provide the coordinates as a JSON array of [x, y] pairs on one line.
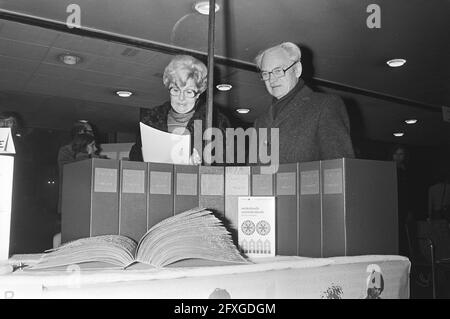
[[181, 97]]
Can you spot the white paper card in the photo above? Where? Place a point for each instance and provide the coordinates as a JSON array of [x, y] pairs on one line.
[[6, 141], [163, 147], [256, 220], [6, 183]]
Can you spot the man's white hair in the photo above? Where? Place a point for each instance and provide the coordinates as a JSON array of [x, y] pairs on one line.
[[292, 51]]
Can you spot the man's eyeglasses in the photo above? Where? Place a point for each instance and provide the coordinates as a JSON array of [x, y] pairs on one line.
[[278, 72], [174, 91]]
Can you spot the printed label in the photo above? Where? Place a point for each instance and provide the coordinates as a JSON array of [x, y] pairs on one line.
[[309, 182], [286, 184], [237, 184], [186, 184], [160, 183], [133, 181], [332, 181], [105, 180], [212, 184], [262, 185]]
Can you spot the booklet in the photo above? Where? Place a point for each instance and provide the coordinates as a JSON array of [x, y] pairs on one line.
[[162, 147], [256, 220], [195, 235]]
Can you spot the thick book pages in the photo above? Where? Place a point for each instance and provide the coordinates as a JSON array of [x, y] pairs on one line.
[[133, 199], [237, 183], [90, 199], [359, 207], [212, 189], [185, 188], [194, 234], [286, 209], [160, 194], [309, 210]]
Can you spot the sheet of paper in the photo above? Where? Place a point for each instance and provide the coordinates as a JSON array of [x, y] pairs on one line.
[[163, 147], [256, 220]]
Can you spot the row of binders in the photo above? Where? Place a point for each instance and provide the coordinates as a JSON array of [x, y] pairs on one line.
[[340, 207]]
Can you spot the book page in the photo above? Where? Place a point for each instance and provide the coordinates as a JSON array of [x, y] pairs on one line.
[[111, 249]]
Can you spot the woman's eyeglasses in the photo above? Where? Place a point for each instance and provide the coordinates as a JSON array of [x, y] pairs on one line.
[[174, 91], [278, 72]]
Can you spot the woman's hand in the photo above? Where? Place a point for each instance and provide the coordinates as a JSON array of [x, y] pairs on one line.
[[91, 148], [195, 158]]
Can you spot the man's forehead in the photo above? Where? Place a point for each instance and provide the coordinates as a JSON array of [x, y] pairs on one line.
[[274, 57]]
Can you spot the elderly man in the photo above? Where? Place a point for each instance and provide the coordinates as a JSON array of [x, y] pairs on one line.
[[312, 126]]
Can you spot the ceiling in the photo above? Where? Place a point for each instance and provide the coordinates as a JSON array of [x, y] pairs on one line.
[[127, 44]]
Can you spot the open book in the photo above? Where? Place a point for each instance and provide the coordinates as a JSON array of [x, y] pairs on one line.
[[194, 234]]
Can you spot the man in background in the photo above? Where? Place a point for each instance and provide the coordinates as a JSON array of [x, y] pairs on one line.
[[312, 126]]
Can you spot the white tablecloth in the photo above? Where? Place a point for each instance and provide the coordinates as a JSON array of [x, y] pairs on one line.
[[279, 277]]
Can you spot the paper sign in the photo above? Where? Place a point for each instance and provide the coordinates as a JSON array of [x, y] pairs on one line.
[[163, 147], [6, 141], [6, 183], [446, 113], [256, 220]]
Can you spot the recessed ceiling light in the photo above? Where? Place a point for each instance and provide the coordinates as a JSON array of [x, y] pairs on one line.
[[124, 93], [395, 63], [224, 87], [69, 59], [411, 121], [399, 134], [243, 111], [202, 7]]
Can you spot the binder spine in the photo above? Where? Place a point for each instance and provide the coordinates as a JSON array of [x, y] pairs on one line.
[[160, 193], [212, 189], [185, 188]]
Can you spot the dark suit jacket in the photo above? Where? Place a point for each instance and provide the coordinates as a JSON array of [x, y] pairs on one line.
[[312, 126]]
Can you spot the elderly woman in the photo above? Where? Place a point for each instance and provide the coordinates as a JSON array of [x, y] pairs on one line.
[[185, 79]]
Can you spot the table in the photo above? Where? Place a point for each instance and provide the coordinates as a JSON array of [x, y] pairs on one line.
[[382, 276]]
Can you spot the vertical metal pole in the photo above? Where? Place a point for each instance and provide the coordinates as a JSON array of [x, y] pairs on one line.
[[210, 89]]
